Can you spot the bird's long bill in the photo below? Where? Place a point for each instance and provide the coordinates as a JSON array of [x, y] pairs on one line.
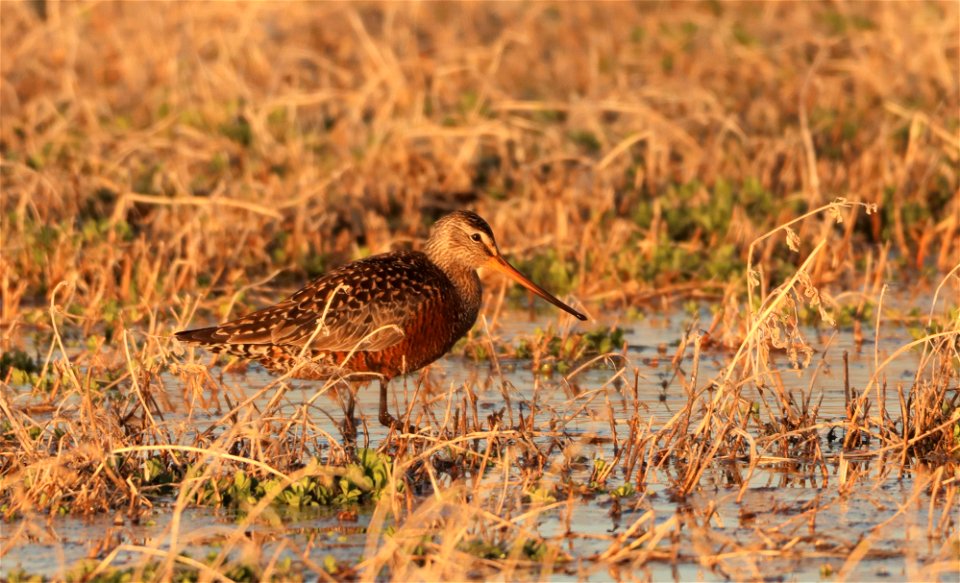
[[498, 263]]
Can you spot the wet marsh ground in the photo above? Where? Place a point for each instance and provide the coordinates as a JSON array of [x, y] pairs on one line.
[[558, 466], [767, 388]]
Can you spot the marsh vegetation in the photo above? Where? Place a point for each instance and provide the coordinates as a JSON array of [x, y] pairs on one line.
[[756, 205]]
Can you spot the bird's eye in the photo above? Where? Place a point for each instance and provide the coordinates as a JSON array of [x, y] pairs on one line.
[[476, 237]]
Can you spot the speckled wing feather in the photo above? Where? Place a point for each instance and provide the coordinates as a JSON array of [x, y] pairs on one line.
[[366, 305]]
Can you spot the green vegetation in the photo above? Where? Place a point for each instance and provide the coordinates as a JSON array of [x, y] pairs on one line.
[[18, 363], [357, 482], [571, 347]]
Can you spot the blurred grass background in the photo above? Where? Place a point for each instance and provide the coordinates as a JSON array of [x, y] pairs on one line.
[[152, 150]]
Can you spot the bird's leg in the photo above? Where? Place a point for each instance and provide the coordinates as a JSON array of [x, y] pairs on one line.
[[349, 425], [351, 403], [388, 420]]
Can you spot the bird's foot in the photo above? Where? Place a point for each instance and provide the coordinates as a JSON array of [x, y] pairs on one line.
[[389, 421]]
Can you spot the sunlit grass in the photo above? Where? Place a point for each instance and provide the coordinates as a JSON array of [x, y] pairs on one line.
[[776, 174]]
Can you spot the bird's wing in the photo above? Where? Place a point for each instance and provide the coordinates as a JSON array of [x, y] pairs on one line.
[[363, 306]]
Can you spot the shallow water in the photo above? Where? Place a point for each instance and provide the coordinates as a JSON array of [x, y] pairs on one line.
[[776, 499]]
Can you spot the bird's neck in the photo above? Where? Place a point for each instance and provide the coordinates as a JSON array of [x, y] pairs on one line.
[[470, 292], [468, 286], [464, 279]]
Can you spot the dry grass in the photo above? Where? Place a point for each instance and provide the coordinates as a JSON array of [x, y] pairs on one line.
[[785, 162], [201, 147]]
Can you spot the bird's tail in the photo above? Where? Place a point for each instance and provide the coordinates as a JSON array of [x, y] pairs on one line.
[[209, 339], [202, 336]]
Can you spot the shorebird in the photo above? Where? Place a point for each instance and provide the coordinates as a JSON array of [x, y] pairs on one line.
[[382, 316]]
